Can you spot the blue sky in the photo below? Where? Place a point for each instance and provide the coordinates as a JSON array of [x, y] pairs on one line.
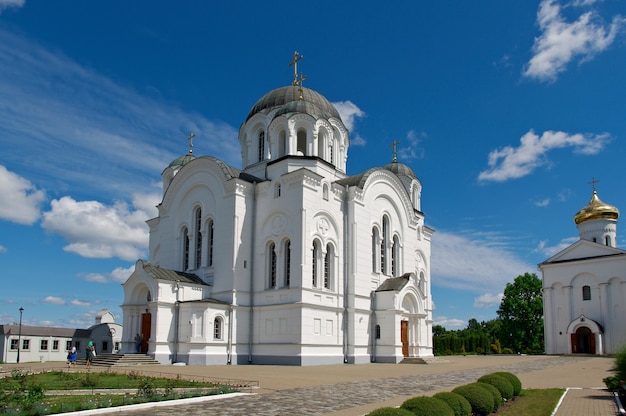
[[505, 111]]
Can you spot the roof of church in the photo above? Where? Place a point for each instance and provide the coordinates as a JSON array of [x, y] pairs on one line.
[[181, 161], [400, 169], [172, 275], [596, 209], [394, 283], [287, 100]]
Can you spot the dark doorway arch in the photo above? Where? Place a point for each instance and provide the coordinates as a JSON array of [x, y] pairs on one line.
[[583, 341]]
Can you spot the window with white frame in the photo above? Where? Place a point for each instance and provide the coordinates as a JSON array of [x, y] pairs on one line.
[[328, 266], [272, 265], [55, 345], [198, 234], [43, 345], [26, 344], [261, 146], [315, 260], [185, 249], [68, 345], [217, 328], [14, 343], [210, 233], [287, 263]]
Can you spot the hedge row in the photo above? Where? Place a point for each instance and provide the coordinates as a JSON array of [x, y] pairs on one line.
[[480, 398]]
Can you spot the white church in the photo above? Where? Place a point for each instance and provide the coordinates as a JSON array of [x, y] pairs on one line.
[[584, 287], [288, 260]]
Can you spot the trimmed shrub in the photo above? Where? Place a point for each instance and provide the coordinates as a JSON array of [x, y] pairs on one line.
[[479, 398], [497, 397], [620, 364], [390, 411], [517, 384], [507, 351], [504, 386], [427, 406], [457, 403]]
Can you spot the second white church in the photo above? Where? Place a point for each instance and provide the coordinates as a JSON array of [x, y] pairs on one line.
[[289, 260]]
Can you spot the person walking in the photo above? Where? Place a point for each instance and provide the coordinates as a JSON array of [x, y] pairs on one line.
[[90, 353], [71, 358]]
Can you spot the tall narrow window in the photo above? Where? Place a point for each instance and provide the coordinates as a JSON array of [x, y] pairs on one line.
[[287, 265], [272, 266], [261, 146], [198, 238], [316, 251], [217, 328], [328, 266], [586, 293], [374, 248], [301, 143], [383, 246], [209, 242], [607, 240], [395, 255], [331, 156], [185, 250]]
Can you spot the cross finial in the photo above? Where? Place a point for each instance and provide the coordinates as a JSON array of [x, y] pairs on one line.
[[190, 138], [593, 183], [395, 145], [302, 78], [295, 58]]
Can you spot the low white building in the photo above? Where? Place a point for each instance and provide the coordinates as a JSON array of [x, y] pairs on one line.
[[40, 343], [290, 260], [584, 287]]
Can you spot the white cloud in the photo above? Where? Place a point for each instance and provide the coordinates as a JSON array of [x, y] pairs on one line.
[[560, 42], [550, 251], [98, 231], [473, 265], [21, 200], [3, 249], [54, 300], [412, 149], [511, 163], [488, 300], [118, 275], [449, 323], [80, 303], [349, 112], [542, 203], [6, 4]]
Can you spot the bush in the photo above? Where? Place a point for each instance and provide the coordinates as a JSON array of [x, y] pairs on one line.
[[459, 404], [479, 398], [517, 384], [613, 383], [620, 365], [427, 406], [390, 411], [504, 386], [507, 351], [497, 397]]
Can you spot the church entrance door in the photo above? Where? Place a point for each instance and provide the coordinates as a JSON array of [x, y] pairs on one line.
[[146, 327], [404, 337], [583, 341]]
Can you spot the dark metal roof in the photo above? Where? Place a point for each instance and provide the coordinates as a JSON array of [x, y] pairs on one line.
[[172, 275], [43, 331], [394, 283], [312, 103]]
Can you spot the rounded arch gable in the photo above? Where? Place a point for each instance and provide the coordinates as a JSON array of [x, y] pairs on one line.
[[409, 301], [584, 322], [325, 228]]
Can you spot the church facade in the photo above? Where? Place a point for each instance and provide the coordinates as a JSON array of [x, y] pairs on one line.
[[584, 287], [288, 260]]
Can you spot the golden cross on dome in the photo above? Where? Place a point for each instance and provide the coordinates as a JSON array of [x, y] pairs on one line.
[[190, 138], [593, 183], [302, 78], [395, 145], [296, 57]]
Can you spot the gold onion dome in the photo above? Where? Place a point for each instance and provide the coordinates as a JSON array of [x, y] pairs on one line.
[[596, 209]]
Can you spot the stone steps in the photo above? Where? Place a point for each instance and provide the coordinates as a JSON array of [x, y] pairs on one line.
[[112, 360]]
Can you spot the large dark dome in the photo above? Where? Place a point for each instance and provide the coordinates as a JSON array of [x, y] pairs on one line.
[[287, 99], [401, 169]]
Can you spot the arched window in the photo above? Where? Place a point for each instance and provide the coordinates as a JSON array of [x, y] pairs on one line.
[[325, 192], [328, 267], [315, 262], [277, 190], [287, 265], [586, 293], [198, 225], [272, 265], [607, 240], [383, 246], [331, 152], [377, 331], [321, 144], [301, 143], [395, 256], [282, 143], [218, 323], [375, 249], [261, 146], [209, 242], [185, 249]]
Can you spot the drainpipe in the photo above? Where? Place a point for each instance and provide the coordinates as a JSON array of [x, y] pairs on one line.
[[230, 334], [252, 245], [176, 322], [373, 326], [346, 271]]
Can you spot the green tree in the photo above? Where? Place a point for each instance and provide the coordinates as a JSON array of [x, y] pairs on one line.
[[521, 314]]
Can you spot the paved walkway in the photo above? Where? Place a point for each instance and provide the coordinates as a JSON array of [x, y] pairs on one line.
[[355, 390]]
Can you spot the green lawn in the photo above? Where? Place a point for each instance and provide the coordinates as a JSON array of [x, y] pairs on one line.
[[532, 402]]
